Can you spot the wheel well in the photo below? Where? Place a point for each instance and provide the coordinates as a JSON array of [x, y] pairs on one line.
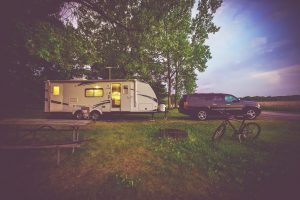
[[250, 107], [195, 110], [201, 108], [94, 111], [77, 111]]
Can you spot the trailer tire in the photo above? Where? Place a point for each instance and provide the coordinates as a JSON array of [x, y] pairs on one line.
[[95, 115], [78, 115]]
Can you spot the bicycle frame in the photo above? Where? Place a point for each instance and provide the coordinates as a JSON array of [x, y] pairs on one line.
[[242, 132], [227, 122]]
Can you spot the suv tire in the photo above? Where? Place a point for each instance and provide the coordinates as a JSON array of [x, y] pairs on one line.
[[201, 115], [251, 113]]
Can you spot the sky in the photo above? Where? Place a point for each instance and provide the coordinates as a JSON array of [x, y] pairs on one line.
[[257, 50]]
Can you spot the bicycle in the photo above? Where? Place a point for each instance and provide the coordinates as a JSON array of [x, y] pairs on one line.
[[246, 131]]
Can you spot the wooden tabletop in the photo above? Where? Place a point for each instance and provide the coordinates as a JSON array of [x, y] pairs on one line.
[[58, 122]]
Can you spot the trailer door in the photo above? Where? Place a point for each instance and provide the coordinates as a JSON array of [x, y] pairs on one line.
[[126, 97], [56, 100], [115, 97]]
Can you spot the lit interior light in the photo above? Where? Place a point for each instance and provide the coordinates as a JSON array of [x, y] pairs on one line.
[[116, 96], [55, 90], [89, 92], [98, 93]]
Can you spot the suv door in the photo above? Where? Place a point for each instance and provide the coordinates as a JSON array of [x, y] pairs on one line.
[[233, 104], [217, 103]]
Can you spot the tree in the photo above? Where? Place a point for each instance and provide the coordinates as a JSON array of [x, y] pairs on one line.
[[165, 41], [18, 74], [155, 41], [179, 56]]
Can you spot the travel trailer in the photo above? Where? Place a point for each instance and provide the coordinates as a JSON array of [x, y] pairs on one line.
[[93, 98]]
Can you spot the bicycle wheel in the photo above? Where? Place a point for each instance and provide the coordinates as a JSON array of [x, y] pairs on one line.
[[251, 131], [219, 132]]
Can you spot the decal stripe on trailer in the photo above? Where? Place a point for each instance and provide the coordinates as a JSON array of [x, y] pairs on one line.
[[58, 102], [149, 97], [101, 103]]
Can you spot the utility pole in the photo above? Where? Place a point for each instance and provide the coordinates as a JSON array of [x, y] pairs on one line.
[[109, 71]]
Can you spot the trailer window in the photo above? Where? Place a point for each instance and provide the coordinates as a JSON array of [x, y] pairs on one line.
[[98, 92], [125, 89], [94, 92], [55, 90]]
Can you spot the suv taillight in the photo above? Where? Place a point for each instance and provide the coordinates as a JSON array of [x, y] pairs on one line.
[[185, 104]]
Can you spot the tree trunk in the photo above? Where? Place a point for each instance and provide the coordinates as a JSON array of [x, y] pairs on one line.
[[176, 85], [169, 79]]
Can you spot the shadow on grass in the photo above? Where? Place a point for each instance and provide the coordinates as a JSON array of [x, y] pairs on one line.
[[123, 153]]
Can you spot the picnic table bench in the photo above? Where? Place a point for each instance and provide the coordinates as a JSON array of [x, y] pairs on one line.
[[44, 125]]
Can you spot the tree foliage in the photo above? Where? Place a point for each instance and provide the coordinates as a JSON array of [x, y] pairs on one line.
[[155, 41]]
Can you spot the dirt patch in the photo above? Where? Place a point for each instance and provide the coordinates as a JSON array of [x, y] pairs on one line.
[[172, 133]]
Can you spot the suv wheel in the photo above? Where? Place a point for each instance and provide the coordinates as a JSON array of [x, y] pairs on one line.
[[251, 113], [201, 115]]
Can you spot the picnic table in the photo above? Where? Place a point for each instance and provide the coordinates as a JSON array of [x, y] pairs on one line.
[[43, 125]]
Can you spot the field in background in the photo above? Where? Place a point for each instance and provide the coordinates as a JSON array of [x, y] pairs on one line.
[[126, 160], [289, 106]]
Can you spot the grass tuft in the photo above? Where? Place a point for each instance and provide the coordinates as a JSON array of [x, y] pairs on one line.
[[126, 160]]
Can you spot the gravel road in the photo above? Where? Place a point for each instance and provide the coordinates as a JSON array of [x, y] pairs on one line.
[[279, 115]]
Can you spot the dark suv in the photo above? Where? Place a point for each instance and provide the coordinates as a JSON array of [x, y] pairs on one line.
[[202, 105]]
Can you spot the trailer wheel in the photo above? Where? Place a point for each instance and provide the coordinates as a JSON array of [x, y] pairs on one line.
[[78, 115], [95, 115]]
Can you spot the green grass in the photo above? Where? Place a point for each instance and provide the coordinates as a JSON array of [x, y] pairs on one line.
[[126, 160]]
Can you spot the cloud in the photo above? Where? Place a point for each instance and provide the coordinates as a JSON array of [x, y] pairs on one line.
[[256, 51], [252, 82], [272, 77], [263, 46], [279, 75], [277, 44], [258, 42], [205, 87]]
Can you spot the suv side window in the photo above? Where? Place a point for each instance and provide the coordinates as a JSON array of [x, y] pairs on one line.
[[230, 99], [207, 98], [218, 98]]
